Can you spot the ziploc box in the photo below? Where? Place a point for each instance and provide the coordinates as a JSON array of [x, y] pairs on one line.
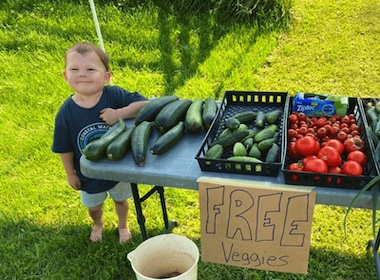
[[320, 104]]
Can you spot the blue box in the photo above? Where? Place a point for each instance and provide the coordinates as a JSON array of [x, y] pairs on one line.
[[320, 104]]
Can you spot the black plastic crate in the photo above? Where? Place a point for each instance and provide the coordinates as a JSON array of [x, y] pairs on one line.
[[332, 180], [237, 102], [375, 148]]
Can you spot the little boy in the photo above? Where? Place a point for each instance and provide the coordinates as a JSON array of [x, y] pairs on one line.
[[86, 115]]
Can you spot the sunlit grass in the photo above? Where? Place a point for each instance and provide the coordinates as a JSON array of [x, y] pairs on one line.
[[43, 226]]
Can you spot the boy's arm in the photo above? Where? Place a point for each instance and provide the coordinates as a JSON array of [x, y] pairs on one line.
[[68, 165], [111, 116]]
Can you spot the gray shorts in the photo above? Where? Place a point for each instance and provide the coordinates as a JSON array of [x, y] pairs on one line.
[[121, 191]]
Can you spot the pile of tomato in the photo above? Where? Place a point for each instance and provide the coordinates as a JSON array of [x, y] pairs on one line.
[[325, 145]]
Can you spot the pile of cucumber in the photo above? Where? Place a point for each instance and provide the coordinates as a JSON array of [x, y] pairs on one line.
[[372, 109], [169, 115], [250, 136]]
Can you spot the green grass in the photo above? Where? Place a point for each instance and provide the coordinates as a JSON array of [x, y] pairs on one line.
[[329, 47]]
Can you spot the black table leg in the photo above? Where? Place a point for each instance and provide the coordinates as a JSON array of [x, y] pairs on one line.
[[139, 213], [140, 216]]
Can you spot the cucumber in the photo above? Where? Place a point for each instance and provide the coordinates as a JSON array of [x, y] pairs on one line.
[[229, 140], [96, 149], [153, 107], [168, 140], [214, 152], [246, 117], [239, 149], [273, 117], [140, 139], [244, 159], [266, 144], [232, 123], [225, 132], [263, 134], [260, 119], [171, 114], [248, 143], [119, 147], [273, 153], [193, 119], [242, 126], [372, 115], [210, 108], [255, 151]]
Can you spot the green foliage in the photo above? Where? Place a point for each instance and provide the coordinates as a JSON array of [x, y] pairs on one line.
[[154, 49]]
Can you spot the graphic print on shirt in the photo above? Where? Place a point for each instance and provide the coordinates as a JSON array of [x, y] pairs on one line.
[[90, 133]]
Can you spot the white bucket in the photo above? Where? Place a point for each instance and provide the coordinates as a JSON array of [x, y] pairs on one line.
[[166, 256]]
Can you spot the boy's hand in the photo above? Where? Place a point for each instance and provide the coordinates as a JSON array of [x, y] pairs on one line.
[[74, 182], [109, 116]]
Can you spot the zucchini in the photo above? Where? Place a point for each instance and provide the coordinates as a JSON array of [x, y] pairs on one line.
[[273, 117], [210, 109], [168, 140], [171, 114], [273, 153], [229, 140], [119, 147], [153, 107], [96, 149], [193, 119], [260, 119], [140, 139]]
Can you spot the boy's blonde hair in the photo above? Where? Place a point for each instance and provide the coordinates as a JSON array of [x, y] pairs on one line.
[[85, 47]]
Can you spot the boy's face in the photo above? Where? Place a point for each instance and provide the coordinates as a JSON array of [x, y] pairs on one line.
[[85, 74]]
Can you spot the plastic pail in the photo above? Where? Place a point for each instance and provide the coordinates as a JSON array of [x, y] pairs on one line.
[[166, 256]]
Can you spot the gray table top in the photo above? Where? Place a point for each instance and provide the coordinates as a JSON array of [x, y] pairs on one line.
[[178, 168]]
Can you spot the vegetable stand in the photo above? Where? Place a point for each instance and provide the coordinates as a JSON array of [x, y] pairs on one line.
[[178, 168]]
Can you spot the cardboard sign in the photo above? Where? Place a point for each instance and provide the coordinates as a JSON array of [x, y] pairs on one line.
[[255, 226]]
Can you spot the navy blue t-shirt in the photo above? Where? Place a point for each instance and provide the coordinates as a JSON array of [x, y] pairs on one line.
[[76, 126]]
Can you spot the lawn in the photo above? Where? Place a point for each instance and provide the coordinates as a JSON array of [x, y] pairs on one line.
[[328, 47]]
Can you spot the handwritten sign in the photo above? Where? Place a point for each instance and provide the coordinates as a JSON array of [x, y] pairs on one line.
[[255, 226]]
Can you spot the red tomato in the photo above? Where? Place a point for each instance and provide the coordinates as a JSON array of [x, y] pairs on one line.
[[341, 136], [307, 158], [321, 132], [336, 144], [292, 133], [353, 144], [295, 167], [358, 156], [330, 155], [292, 151], [334, 170], [293, 118], [316, 165], [302, 116], [307, 146], [352, 167], [334, 130]]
